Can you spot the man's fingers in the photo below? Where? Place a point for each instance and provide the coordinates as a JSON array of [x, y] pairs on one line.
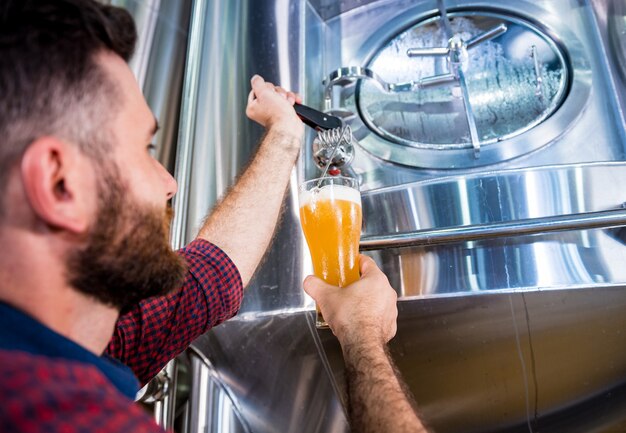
[[251, 96], [371, 272], [292, 97], [313, 286], [258, 83], [367, 265]]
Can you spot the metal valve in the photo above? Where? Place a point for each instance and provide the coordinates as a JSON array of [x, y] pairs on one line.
[[333, 148]]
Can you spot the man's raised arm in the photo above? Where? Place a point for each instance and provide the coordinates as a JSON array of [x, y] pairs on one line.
[[243, 223]]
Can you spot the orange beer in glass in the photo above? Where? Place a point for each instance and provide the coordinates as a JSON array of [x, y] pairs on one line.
[[330, 213]]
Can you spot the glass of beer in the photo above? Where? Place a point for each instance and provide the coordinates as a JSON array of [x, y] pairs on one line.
[[330, 213]]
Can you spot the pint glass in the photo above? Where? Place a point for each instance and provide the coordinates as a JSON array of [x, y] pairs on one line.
[[330, 213]]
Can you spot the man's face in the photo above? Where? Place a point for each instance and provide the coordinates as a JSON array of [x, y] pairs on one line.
[[133, 130], [127, 257]]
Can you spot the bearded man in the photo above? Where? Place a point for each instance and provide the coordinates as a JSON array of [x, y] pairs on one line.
[[93, 302]]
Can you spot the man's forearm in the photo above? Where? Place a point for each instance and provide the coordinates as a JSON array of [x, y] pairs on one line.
[[377, 401], [243, 223]]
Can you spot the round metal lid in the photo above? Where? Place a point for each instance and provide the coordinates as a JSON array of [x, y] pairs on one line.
[[503, 86], [511, 85]]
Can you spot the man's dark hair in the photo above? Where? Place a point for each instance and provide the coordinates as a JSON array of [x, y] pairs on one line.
[[50, 81]]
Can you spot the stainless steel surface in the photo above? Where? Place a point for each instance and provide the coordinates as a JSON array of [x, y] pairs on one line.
[[497, 84], [474, 209], [211, 407], [274, 367], [158, 64], [521, 333], [145, 13], [327, 9], [566, 134], [232, 49], [498, 204], [496, 362], [574, 30], [541, 361], [610, 14], [616, 26]]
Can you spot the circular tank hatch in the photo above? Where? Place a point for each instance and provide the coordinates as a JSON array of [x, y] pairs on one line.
[[497, 74]]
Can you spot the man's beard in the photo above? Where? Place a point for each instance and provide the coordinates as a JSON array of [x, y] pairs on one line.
[[127, 256]]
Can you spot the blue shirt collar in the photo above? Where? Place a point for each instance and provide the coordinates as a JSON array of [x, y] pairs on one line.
[[19, 331]]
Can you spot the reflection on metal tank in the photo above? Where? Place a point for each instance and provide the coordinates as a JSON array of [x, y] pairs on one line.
[[481, 219], [491, 157], [158, 64]]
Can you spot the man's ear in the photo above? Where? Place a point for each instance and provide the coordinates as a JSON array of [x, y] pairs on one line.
[[50, 171]]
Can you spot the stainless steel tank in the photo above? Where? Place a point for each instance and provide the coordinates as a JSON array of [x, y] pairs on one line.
[[491, 157]]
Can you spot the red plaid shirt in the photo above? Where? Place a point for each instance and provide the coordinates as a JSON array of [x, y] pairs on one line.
[[50, 384]]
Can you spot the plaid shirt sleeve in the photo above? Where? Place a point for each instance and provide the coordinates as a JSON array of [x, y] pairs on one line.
[[158, 329], [41, 394]]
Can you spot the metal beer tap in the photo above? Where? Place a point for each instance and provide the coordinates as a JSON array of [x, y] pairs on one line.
[[333, 147]]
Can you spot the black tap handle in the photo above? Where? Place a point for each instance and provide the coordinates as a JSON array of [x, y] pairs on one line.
[[316, 119]]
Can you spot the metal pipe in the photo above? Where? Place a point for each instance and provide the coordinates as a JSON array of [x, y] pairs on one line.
[[539, 78], [485, 36], [531, 226], [444, 18], [166, 402], [189, 104], [354, 73], [351, 73], [469, 114], [419, 52]]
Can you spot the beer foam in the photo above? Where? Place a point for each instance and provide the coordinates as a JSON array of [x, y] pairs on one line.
[[330, 192]]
